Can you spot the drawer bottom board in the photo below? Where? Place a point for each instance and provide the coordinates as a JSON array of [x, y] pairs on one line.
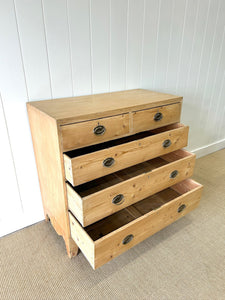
[[113, 235]]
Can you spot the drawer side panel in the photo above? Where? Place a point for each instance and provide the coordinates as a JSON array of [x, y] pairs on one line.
[[82, 239]]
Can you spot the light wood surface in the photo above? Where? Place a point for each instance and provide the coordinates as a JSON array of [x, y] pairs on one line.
[[144, 119], [82, 239], [68, 168], [68, 148], [107, 236], [75, 203], [90, 166], [82, 134], [49, 163], [90, 203], [83, 108]]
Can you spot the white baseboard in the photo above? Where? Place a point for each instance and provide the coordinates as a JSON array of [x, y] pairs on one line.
[[205, 150]]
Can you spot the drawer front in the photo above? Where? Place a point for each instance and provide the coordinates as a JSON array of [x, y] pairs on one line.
[[105, 202], [94, 132], [156, 117], [87, 167], [100, 251]]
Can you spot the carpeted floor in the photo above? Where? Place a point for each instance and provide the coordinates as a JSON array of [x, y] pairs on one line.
[[184, 261]]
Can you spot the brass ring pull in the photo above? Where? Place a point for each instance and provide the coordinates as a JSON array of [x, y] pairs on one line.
[[118, 199], [166, 143], [128, 239], [99, 130], [108, 162], [158, 116], [174, 174], [181, 208]]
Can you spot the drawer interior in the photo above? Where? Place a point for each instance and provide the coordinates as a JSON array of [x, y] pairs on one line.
[[129, 214], [127, 139], [99, 184]]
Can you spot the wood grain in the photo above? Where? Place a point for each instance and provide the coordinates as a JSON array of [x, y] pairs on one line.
[[90, 166], [97, 205], [82, 239], [110, 245], [82, 134], [144, 119], [49, 163], [83, 108]]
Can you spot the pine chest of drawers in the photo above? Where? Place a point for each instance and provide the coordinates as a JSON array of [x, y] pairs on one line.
[[111, 168]]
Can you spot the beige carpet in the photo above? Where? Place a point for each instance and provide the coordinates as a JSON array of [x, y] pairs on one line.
[[184, 261]]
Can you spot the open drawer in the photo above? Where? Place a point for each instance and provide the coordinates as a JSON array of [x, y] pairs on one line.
[[102, 197], [89, 163], [108, 238]]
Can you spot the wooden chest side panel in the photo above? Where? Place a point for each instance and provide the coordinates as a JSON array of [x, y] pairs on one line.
[[50, 168]]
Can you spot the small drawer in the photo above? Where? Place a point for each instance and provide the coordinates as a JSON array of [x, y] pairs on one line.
[[94, 132], [97, 161], [108, 238], [95, 200], [156, 117]]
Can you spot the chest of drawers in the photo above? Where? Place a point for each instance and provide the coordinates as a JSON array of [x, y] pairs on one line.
[[111, 168]]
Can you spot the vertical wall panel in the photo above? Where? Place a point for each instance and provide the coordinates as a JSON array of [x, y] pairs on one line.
[[190, 110], [197, 49], [150, 36], [184, 59], [14, 97], [57, 35], [211, 75], [33, 46], [202, 74], [166, 10], [10, 198], [118, 42], [134, 43], [99, 12], [79, 28], [215, 109], [215, 77], [178, 21], [187, 44]]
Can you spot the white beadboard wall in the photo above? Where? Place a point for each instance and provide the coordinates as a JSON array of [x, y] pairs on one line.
[[58, 48]]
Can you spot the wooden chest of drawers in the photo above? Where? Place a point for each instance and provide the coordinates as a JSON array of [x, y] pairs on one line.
[[111, 168]]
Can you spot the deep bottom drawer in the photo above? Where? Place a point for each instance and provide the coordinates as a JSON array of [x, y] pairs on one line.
[[108, 238]]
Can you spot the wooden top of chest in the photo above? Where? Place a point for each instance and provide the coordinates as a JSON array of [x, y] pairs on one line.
[[82, 108]]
